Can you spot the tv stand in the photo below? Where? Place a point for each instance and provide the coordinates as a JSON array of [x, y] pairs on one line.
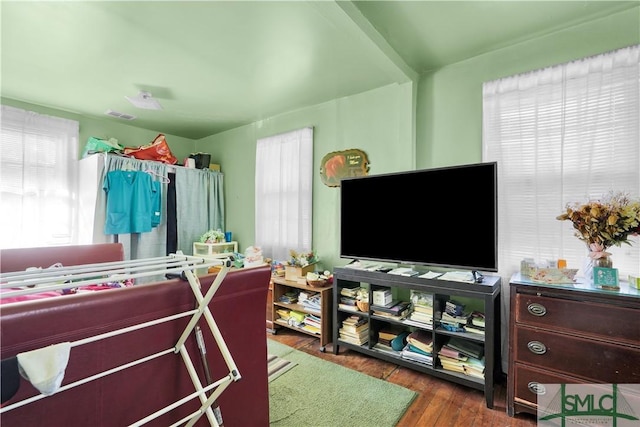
[[486, 293]]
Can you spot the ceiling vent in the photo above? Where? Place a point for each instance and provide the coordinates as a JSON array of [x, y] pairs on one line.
[[122, 116], [145, 101]]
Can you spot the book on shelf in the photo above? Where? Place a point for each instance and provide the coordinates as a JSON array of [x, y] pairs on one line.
[[355, 328], [409, 354], [349, 292], [453, 308], [390, 316], [385, 348], [421, 299], [424, 310], [354, 321], [310, 328], [421, 340], [474, 329], [356, 335], [477, 319], [347, 307], [347, 300], [417, 323], [395, 308], [454, 320], [354, 340], [389, 332], [451, 353], [467, 347]]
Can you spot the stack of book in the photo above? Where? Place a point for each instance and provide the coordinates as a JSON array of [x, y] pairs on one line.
[[422, 310], [312, 323], [311, 302], [476, 323], [454, 319], [386, 334], [397, 310], [419, 347], [290, 297], [462, 356], [355, 330], [348, 299]]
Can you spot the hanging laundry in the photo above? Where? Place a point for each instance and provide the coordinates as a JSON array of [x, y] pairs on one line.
[[45, 367], [156, 204], [129, 202]]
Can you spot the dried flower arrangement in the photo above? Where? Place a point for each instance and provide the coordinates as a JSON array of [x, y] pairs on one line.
[[606, 222]]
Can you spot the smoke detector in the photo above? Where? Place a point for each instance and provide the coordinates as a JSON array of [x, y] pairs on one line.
[[145, 101]]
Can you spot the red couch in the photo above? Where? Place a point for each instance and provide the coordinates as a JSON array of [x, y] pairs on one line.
[[124, 397]]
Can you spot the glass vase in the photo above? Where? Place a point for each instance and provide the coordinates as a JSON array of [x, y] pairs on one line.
[[604, 261]]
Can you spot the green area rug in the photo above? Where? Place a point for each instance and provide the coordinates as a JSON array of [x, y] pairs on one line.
[[318, 393]]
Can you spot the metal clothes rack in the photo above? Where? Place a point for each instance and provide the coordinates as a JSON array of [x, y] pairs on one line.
[[22, 283]]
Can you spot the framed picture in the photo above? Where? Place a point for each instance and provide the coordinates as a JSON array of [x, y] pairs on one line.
[[343, 164]]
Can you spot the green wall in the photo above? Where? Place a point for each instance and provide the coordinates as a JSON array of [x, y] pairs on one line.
[[449, 110], [379, 122], [128, 136]]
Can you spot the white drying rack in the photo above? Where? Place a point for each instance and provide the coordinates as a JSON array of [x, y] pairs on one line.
[[24, 283]]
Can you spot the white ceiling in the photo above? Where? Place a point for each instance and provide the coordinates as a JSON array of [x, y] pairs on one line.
[[216, 65]]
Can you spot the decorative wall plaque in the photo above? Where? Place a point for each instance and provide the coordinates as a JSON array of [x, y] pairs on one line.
[[343, 164]]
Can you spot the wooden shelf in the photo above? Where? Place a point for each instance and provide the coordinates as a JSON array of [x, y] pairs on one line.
[[279, 287]]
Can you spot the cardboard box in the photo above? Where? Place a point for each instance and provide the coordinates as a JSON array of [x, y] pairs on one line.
[[382, 297], [214, 167], [298, 274]]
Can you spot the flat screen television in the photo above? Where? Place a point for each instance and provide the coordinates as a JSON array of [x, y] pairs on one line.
[[443, 217]]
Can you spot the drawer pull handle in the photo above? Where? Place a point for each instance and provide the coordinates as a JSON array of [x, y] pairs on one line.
[[536, 347], [537, 309], [537, 388]]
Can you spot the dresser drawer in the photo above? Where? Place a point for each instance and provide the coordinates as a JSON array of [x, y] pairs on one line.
[[580, 317], [529, 383], [585, 358]]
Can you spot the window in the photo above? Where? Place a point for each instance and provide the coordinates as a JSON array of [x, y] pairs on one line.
[[564, 134], [284, 178], [38, 167]]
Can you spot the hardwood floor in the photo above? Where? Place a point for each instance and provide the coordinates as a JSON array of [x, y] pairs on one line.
[[439, 403]]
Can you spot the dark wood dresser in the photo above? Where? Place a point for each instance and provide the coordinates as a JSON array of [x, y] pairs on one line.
[[570, 334]]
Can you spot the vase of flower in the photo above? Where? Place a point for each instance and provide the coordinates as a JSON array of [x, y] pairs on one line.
[[602, 224]]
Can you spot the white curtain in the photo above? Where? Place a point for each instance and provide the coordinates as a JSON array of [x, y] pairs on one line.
[[284, 179], [38, 169], [564, 134]]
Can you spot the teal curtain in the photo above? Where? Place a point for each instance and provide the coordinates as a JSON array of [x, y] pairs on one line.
[[200, 205]]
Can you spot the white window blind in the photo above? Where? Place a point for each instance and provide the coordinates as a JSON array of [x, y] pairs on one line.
[[38, 167], [564, 134], [284, 178]]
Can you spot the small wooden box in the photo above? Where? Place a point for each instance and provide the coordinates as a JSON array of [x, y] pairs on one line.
[[298, 274]]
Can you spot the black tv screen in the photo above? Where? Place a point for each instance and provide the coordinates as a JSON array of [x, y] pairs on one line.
[[443, 217]]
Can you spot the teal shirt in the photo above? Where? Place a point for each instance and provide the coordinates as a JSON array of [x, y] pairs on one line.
[[129, 202]]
